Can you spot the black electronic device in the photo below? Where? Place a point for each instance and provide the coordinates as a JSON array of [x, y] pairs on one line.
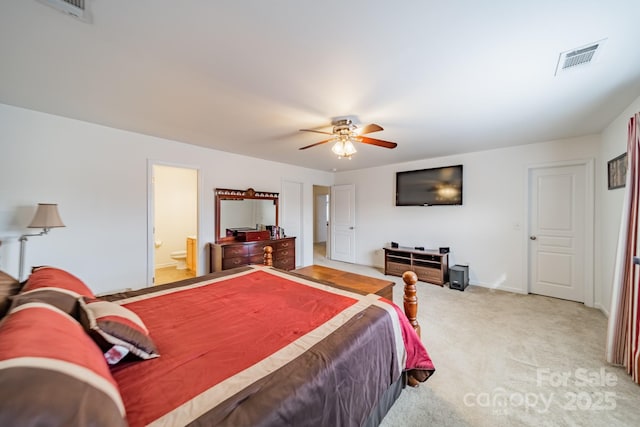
[[394, 244], [444, 250], [419, 248], [429, 187], [459, 277]]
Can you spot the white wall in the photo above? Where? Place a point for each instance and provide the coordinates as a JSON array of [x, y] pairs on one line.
[[98, 177], [488, 231], [609, 210]]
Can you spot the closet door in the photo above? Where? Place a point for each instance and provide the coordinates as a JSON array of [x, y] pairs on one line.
[[291, 214]]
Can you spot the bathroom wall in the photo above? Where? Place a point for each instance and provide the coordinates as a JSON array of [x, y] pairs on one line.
[[175, 209]]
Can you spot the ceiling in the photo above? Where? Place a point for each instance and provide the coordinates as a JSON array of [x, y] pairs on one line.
[[441, 76]]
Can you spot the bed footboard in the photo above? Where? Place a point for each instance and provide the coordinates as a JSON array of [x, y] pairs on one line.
[[414, 378], [410, 299]]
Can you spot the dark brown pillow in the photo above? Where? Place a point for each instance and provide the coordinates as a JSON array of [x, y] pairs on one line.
[[62, 299], [9, 287], [110, 324]]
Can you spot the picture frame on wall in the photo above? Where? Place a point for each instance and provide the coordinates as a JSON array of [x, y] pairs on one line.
[[617, 171]]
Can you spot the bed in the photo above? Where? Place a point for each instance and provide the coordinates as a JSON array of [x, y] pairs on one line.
[[253, 346]]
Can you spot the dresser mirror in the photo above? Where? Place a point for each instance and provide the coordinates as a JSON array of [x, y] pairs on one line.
[[241, 210]]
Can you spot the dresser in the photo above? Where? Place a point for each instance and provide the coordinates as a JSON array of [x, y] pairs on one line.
[[224, 256]]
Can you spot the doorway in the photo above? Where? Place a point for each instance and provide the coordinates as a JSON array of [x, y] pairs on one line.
[[321, 210], [173, 215], [560, 226]]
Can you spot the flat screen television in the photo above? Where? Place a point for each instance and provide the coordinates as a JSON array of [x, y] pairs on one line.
[[429, 187]]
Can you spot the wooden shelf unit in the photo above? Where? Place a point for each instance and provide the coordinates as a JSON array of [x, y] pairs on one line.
[[429, 265]]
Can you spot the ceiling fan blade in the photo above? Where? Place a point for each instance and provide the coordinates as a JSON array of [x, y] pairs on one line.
[[371, 128], [317, 143], [316, 131], [378, 142]]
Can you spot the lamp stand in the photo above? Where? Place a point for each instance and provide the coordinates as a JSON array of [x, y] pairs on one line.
[[23, 240]]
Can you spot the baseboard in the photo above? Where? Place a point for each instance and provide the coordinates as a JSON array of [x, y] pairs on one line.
[[165, 265], [498, 288], [602, 309]]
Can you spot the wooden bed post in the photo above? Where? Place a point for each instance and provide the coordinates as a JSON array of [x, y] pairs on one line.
[[268, 256], [410, 299]]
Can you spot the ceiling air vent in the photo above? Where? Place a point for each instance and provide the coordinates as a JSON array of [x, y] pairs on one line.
[[76, 8], [579, 56]]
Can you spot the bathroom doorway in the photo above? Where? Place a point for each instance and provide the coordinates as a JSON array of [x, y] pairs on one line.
[[174, 217]]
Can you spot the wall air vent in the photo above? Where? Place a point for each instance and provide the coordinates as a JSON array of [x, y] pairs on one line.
[[579, 56], [76, 8]]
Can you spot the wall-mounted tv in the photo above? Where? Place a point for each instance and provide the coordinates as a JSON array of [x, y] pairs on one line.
[[429, 187]]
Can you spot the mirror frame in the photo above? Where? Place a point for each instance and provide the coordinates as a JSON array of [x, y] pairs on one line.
[[229, 194]]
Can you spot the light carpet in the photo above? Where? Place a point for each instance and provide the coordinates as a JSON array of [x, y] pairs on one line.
[[505, 359]]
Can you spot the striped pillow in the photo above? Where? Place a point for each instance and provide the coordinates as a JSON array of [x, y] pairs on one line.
[[51, 277], [116, 329], [52, 372], [53, 286], [62, 299]]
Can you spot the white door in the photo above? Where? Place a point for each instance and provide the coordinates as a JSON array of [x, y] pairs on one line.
[[291, 214], [558, 237], [343, 223]]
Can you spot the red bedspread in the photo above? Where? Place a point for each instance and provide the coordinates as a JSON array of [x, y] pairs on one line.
[[215, 337]]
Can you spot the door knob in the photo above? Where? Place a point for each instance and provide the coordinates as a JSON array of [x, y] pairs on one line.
[[532, 237]]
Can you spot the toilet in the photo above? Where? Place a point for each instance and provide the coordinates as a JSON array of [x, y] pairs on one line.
[[181, 257]]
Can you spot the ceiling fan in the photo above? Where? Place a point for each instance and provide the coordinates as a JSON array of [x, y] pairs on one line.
[[345, 133]]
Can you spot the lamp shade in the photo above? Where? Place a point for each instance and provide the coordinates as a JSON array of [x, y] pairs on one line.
[[46, 216]]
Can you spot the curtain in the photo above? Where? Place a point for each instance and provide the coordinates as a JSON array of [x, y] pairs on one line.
[[624, 324]]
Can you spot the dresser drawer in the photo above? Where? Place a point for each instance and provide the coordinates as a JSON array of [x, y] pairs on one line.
[[234, 262], [256, 259], [232, 251], [285, 253], [285, 263], [286, 244], [257, 248]]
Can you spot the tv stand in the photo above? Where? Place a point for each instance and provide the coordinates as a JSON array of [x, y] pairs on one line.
[[429, 265]]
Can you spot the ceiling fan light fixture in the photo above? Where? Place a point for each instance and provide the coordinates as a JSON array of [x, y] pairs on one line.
[[344, 148], [345, 133]]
